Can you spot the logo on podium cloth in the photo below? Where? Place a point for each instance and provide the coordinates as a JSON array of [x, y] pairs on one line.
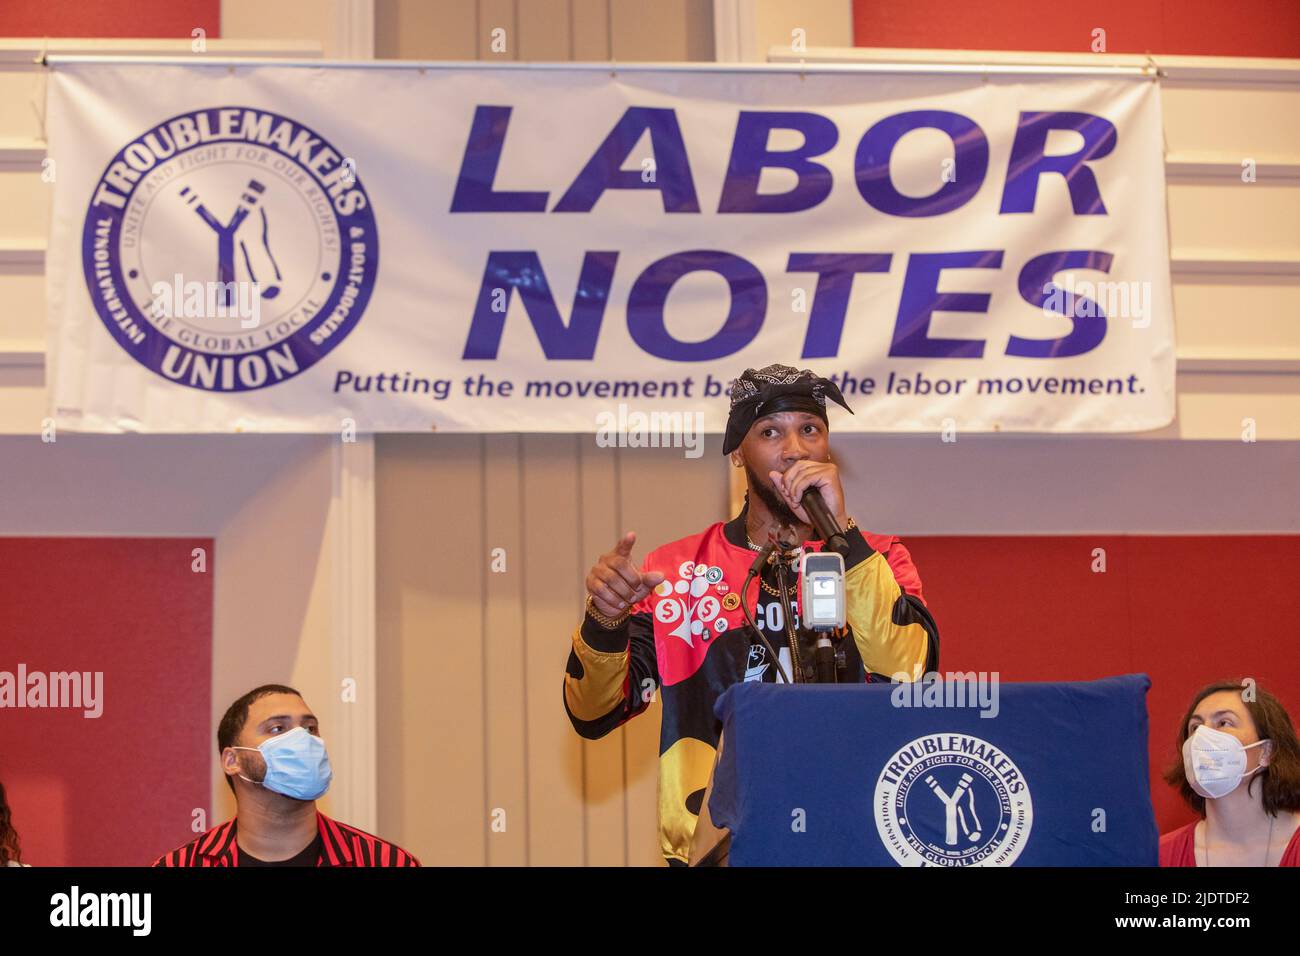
[[951, 799]]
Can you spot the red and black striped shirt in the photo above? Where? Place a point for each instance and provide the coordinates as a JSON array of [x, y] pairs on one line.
[[341, 845]]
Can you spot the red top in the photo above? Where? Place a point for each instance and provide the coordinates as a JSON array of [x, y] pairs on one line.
[[1178, 848], [341, 845]]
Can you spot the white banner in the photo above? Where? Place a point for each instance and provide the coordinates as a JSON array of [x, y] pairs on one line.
[[317, 248]]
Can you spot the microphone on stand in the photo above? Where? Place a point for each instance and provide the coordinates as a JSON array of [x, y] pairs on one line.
[[833, 544], [757, 569]]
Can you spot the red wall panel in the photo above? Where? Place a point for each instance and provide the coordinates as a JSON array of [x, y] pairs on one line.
[[1186, 27], [119, 789], [1185, 610], [173, 19]]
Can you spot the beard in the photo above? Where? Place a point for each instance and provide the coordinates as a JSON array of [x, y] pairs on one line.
[[774, 502], [253, 766]]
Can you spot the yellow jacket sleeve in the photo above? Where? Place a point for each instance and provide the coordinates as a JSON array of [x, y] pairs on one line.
[[894, 633], [611, 675]]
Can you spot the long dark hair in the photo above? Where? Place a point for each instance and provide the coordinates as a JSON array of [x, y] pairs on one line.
[[1280, 780], [9, 846]]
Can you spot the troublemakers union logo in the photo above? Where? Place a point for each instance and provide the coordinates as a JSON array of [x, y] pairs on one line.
[[952, 800], [221, 208]]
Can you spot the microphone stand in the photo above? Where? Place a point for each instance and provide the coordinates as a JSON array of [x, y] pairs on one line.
[[824, 656], [787, 611], [755, 570], [828, 666]]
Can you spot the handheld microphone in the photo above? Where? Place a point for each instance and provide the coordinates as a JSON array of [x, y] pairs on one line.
[[827, 527]]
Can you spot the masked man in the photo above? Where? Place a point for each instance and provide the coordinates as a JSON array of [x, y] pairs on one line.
[[677, 621], [275, 762]]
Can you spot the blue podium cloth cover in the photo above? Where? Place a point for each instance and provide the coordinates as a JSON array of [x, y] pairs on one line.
[[824, 775]]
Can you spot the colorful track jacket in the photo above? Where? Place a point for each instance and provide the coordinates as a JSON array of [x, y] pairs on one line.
[[689, 637]]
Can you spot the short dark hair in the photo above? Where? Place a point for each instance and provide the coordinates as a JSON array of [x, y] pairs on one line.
[[232, 724], [1280, 780]]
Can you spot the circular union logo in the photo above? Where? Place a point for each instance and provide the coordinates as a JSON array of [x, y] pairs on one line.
[[951, 799], [230, 249]]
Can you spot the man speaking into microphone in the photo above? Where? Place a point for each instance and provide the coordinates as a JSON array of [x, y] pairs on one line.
[[682, 620]]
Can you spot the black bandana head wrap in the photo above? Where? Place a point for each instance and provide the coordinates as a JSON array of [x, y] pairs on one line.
[[777, 388]]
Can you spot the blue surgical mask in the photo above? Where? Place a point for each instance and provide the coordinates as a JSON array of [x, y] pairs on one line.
[[296, 764]]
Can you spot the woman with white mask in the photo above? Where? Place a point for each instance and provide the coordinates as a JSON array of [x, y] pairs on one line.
[[1239, 769]]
